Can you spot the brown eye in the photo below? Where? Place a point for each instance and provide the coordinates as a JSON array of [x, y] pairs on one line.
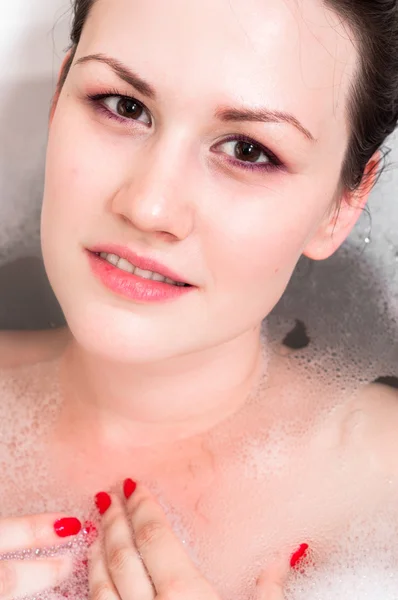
[[127, 108], [247, 151]]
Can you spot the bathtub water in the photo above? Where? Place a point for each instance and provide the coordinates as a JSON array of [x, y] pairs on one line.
[[347, 307]]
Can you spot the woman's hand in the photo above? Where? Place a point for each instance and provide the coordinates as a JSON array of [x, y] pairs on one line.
[[156, 565], [28, 577]]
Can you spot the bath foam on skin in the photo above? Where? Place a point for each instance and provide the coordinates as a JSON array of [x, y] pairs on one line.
[[359, 553], [362, 566], [352, 557]]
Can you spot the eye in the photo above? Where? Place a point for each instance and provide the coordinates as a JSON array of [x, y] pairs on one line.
[[246, 151], [248, 154], [125, 107]]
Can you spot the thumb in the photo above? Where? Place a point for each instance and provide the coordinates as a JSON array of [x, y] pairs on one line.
[[272, 581]]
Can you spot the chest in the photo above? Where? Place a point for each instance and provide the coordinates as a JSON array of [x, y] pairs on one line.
[[232, 501], [233, 497]]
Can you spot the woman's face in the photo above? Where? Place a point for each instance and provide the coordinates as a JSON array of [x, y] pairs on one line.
[[174, 177]]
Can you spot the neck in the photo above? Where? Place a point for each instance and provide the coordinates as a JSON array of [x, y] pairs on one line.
[[151, 403]]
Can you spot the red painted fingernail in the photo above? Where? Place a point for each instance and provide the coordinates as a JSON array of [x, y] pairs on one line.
[[103, 502], [67, 527], [129, 488], [298, 555]]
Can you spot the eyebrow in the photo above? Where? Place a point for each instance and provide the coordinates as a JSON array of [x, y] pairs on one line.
[[225, 114]]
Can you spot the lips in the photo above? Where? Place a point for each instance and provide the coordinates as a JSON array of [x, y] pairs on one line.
[[133, 286], [126, 266], [146, 264]]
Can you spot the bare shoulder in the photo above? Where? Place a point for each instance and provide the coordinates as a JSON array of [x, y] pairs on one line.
[[372, 424], [19, 348], [380, 401]]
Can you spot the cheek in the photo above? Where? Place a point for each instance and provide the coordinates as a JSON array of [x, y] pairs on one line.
[[258, 250], [64, 184], [253, 253], [82, 172]]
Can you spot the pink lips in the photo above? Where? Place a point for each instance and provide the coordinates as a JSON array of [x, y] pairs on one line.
[[132, 286], [146, 264]]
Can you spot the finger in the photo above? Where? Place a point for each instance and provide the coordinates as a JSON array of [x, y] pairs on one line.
[[99, 582], [26, 578], [123, 561], [271, 582], [36, 531], [163, 554]]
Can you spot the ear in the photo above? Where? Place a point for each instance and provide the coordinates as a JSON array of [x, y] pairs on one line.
[[58, 88], [345, 212]]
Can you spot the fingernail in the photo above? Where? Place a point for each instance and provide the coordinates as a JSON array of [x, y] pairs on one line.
[[103, 502], [298, 555], [67, 527], [129, 488]]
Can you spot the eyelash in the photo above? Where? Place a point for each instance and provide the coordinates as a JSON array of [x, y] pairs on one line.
[[274, 163]]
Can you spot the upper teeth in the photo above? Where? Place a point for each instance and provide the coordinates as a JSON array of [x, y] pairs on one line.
[[125, 265]]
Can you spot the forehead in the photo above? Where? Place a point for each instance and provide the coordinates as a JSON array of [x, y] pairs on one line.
[[292, 55]]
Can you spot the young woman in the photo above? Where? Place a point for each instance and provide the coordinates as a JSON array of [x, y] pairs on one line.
[[196, 151]]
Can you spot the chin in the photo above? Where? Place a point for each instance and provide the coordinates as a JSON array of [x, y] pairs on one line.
[[117, 335], [109, 336]]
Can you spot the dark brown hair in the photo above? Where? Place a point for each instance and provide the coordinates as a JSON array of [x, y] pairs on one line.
[[373, 105]]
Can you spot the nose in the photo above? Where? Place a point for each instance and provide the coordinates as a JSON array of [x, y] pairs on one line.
[[154, 198]]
